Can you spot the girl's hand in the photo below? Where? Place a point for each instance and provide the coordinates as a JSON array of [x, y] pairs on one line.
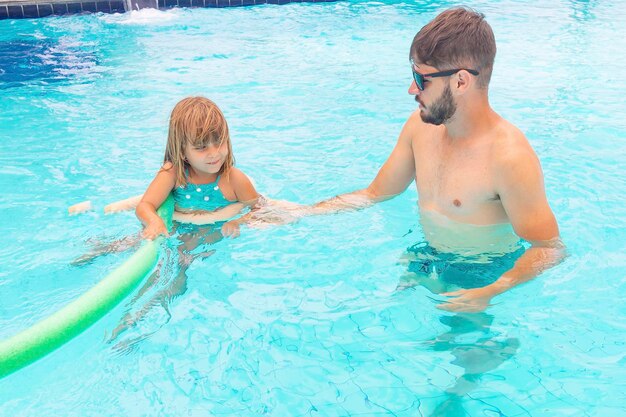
[[230, 229], [154, 229]]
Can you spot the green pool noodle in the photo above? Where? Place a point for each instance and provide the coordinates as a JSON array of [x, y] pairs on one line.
[[51, 333]]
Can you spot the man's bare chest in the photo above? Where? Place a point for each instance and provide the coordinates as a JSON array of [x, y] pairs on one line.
[[457, 184]]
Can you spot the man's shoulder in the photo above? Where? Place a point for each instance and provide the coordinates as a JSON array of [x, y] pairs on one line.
[[415, 120], [418, 131], [511, 148]]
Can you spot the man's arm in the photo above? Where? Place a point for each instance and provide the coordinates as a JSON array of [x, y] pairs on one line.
[[519, 182], [202, 217], [392, 179]]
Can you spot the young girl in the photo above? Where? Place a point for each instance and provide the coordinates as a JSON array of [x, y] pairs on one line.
[[198, 168]]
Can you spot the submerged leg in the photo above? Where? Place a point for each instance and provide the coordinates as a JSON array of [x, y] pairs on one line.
[[475, 358], [171, 289], [101, 249], [81, 207], [123, 205]]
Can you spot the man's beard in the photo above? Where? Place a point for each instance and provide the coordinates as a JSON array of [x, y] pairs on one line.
[[441, 110]]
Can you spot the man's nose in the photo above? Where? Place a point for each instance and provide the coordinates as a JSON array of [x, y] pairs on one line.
[[414, 90]]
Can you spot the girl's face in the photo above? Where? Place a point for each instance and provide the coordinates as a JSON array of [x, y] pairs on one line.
[[206, 159]]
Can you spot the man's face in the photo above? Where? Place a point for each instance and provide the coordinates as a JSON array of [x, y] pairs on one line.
[[433, 110], [440, 110]]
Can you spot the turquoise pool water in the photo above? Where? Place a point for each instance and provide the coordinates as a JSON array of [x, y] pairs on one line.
[[305, 320]]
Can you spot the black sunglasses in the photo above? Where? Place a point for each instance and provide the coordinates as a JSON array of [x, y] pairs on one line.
[[420, 79]]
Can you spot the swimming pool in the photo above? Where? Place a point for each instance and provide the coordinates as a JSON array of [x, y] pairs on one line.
[[306, 319]]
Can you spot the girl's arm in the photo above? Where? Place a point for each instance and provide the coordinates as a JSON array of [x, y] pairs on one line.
[[155, 195], [246, 194], [243, 187]]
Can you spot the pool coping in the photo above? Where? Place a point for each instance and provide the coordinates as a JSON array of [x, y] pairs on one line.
[[32, 9]]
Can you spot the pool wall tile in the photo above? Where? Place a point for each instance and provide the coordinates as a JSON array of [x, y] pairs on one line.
[[117, 6], [184, 3], [15, 12], [30, 11], [247, 3], [142, 4], [59, 8], [44, 10], [89, 6], [4, 13], [74, 8], [103, 6], [197, 3], [171, 3]]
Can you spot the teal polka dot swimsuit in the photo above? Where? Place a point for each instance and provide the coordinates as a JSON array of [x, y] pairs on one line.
[[207, 197]]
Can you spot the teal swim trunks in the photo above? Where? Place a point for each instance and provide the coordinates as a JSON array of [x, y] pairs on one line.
[[453, 270]]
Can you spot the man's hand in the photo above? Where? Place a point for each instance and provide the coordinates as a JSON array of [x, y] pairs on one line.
[[275, 212], [468, 301], [530, 264]]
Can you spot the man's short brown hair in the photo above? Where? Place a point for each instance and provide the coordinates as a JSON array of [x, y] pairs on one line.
[[457, 38]]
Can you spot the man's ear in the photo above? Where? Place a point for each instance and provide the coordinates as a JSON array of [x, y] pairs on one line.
[[463, 81]]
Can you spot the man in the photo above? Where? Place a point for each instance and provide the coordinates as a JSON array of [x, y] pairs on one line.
[[474, 171]]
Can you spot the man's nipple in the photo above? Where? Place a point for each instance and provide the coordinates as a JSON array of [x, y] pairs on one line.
[[457, 203]]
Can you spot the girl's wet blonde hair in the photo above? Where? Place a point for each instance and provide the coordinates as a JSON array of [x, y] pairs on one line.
[[199, 122]]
